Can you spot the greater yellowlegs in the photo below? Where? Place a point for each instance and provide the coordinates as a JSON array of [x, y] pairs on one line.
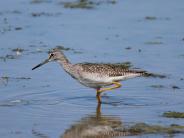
[[93, 75]]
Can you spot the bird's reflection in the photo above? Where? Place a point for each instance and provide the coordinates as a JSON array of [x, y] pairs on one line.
[[96, 126]]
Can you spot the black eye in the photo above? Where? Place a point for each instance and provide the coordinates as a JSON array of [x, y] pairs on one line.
[[51, 54]]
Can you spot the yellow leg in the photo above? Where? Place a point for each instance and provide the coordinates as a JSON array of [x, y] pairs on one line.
[[117, 85], [98, 97], [99, 91]]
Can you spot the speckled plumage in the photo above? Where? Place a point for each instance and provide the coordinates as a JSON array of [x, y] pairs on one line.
[[94, 75], [110, 70], [97, 75]]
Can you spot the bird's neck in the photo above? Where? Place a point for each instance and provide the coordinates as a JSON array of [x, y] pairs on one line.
[[64, 62]]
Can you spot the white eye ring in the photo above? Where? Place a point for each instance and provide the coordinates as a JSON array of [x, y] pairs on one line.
[[51, 55]]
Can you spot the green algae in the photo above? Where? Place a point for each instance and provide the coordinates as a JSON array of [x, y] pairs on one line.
[[155, 75], [154, 43], [113, 1], [39, 1], [63, 48], [86, 4], [39, 134], [172, 114], [125, 65], [150, 18], [83, 4], [46, 14], [159, 86], [143, 128], [60, 47]]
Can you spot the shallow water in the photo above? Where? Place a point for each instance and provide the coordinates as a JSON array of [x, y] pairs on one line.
[[48, 103]]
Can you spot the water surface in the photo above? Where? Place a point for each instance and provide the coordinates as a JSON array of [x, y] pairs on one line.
[[48, 103]]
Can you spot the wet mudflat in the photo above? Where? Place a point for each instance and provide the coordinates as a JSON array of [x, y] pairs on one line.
[[48, 103]]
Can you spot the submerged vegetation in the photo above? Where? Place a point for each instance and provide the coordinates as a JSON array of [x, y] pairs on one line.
[[150, 18], [15, 78], [154, 75], [175, 87], [86, 4], [104, 127], [143, 128], [39, 1], [171, 114], [5, 79], [64, 48], [46, 14], [83, 4], [100, 126], [125, 65], [4, 58], [158, 86], [153, 43]]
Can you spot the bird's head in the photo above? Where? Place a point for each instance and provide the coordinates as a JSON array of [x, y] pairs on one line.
[[54, 54]]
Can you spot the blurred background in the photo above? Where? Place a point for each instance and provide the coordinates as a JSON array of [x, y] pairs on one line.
[[48, 103]]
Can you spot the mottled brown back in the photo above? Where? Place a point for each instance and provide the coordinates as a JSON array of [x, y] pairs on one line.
[[111, 70]]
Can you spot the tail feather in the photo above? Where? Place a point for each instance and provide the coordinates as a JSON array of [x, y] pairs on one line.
[[147, 74]]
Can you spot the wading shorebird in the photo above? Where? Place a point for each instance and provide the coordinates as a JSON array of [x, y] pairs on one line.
[[94, 75]]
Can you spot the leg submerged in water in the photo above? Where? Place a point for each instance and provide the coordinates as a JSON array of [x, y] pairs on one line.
[[99, 91]]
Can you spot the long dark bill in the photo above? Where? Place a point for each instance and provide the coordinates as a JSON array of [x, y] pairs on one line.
[[44, 62]]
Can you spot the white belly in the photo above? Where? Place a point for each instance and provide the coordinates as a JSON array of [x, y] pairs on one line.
[[98, 80]]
